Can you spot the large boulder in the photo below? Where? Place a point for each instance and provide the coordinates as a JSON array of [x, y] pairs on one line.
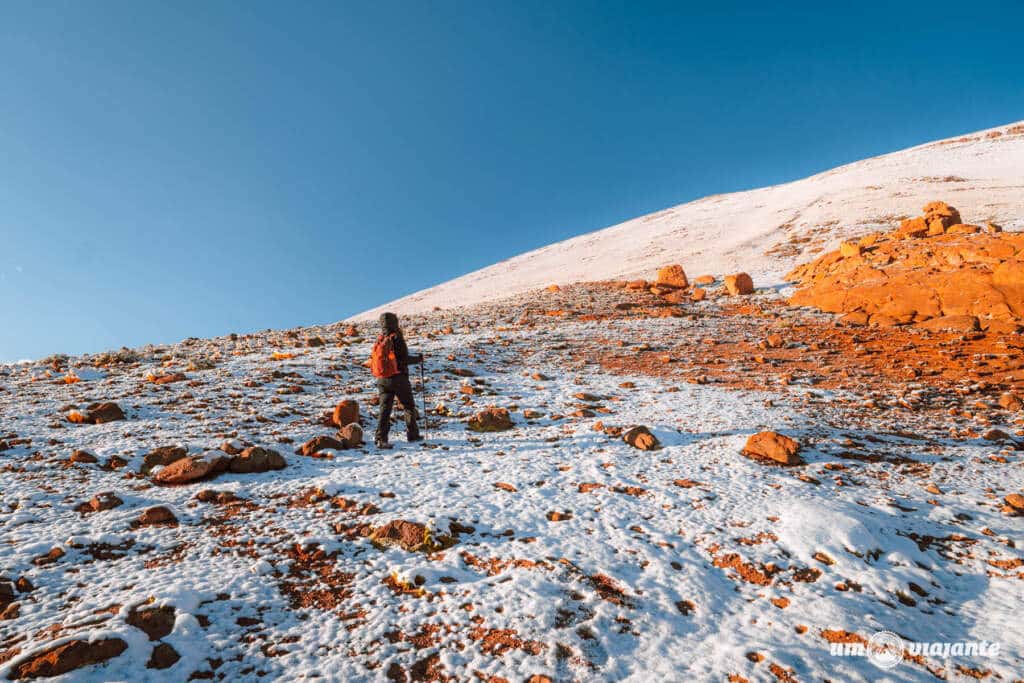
[[772, 447], [672, 276], [67, 657], [256, 459], [491, 419]]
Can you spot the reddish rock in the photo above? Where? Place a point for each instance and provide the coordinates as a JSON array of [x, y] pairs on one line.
[[217, 497], [849, 249], [1015, 502], [943, 282], [954, 323], [698, 294], [912, 228], [6, 593], [351, 435], [505, 486], [50, 557], [320, 443], [192, 468], [256, 459], [410, 536], [345, 413], [156, 515], [232, 447], [170, 379], [740, 283], [491, 419], [703, 280], [83, 457], [775, 447], [156, 622], [672, 276], [68, 657], [98, 413], [163, 456], [163, 656], [1010, 402], [642, 438], [940, 216], [12, 611], [101, 501], [105, 412], [558, 516]]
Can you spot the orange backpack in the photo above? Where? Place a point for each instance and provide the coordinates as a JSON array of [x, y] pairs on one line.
[[383, 361]]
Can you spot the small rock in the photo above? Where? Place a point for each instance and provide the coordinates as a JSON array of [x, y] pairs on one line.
[[256, 459], [320, 443], [1010, 402], [193, 468], [641, 437], [491, 419], [345, 413], [156, 622], [50, 557], [410, 536], [996, 435], [162, 456], [83, 457], [740, 283], [101, 501], [163, 657], [351, 435], [1015, 501], [99, 413], [156, 515]]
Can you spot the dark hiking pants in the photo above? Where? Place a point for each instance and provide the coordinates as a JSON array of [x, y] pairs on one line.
[[389, 388]]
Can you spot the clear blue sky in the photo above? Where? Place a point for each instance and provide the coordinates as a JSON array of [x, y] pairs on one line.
[[181, 169]]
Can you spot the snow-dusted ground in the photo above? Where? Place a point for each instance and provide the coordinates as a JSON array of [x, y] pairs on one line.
[[660, 530], [982, 174]]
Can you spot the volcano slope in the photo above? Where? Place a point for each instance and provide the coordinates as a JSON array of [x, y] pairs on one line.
[[156, 539]]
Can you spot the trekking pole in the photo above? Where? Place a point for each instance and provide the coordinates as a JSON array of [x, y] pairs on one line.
[[423, 394]]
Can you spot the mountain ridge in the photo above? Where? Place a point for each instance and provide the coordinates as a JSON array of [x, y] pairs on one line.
[[764, 231]]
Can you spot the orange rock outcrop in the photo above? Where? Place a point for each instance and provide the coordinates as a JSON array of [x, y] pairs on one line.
[[933, 271]]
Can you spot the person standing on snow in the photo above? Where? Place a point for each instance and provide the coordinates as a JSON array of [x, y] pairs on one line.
[[390, 363]]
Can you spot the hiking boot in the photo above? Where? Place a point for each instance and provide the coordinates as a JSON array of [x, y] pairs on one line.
[[414, 438], [382, 445]]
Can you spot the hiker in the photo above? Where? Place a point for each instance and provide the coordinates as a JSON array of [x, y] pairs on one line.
[[390, 365]]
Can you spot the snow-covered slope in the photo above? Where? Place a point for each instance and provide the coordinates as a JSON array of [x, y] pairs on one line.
[[982, 174]]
